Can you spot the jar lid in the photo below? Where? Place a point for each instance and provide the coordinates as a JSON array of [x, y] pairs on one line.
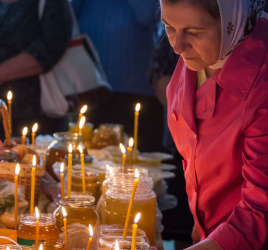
[[77, 160], [77, 201], [66, 136], [44, 219]]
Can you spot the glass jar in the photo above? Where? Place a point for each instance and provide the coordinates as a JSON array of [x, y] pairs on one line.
[[117, 201], [92, 183], [27, 228], [103, 138], [79, 209], [127, 246], [115, 171], [53, 245], [8, 155], [59, 148], [87, 132], [118, 128]]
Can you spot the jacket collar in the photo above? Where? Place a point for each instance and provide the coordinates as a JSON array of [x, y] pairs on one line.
[[241, 69]]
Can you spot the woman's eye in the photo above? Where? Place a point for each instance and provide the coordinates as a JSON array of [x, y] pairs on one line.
[[169, 28], [194, 33]]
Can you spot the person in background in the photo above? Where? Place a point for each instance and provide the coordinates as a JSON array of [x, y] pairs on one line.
[[124, 33], [29, 47]]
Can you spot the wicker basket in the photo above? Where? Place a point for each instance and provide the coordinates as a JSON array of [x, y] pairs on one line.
[[7, 172]]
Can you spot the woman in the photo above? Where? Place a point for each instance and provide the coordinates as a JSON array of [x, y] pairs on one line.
[[218, 117], [28, 47]]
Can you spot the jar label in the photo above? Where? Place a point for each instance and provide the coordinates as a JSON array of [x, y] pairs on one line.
[[26, 242]]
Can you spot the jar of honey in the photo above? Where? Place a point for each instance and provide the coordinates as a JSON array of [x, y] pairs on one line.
[[91, 180], [27, 228], [117, 128], [59, 148], [117, 200], [104, 137], [79, 208], [87, 132]]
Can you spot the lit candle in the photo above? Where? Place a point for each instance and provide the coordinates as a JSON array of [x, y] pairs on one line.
[[134, 231], [24, 133], [131, 202], [69, 170], [81, 124], [82, 168], [65, 228], [41, 247], [116, 245], [62, 180], [7, 248], [90, 237], [9, 101], [36, 227], [124, 156], [17, 170], [34, 129], [82, 111], [129, 149], [136, 123], [33, 185]]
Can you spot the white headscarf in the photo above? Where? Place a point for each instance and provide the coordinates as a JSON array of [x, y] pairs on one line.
[[238, 18]]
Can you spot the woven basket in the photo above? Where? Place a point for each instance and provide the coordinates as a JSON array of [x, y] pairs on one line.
[[7, 172]]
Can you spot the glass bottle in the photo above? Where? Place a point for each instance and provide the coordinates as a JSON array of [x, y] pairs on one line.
[[79, 209], [117, 201], [27, 228], [59, 148]]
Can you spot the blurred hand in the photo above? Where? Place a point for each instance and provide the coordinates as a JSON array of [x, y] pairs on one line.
[[195, 236]]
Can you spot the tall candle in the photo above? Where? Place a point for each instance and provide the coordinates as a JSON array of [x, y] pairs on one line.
[[69, 170], [136, 124], [124, 156], [134, 231], [34, 129], [33, 185], [17, 170], [24, 133], [9, 101], [62, 180], [36, 228], [82, 168], [129, 149], [90, 237], [65, 228], [131, 202]]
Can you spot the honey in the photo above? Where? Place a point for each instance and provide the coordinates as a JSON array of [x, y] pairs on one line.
[[27, 228], [79, 209]]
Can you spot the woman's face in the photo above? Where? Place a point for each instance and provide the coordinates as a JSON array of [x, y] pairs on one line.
[[192, 33]]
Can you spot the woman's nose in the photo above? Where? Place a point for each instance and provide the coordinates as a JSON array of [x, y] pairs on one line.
[[181, 44]]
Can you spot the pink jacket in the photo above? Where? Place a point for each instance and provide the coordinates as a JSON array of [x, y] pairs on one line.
[[221, 130]]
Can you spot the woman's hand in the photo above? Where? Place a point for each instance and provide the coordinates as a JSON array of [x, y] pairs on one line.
[[206, 244], [195, 236]]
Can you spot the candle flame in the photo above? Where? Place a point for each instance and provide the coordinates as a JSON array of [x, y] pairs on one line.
[[34, 161], [116, 245], [83, 109], [137, 174], [82, 122], [80, 149], [130, 142], [90, 231], [138, 107], [62, 167], [70, 148], [107, 167], [35, 127], [37, 215], [64, 212], [9, 95], [137, 218], [24, 131], [41, 247], [17, 169], [7, 248], [123, 149]]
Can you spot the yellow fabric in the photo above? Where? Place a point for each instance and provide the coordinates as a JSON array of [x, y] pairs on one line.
[[201, 77]]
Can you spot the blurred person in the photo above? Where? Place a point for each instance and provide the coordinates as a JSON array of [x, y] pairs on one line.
[[29, 47], [124, 33]]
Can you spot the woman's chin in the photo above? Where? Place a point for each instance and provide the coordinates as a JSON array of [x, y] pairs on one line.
[[195, 64]]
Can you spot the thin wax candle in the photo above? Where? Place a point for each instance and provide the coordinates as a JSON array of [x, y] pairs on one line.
[[37, 228], [136, 124], [124, 156], [33, 185], [129, 149], [9, 101], [62, 180], [34, 129], [24, 133], [82, 168], [90, 237], [69, 170], [17, 170], [134, 231], [65, 228], [131, 202]]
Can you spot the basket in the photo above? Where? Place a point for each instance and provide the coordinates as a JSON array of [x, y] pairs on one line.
[[7, 172]]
